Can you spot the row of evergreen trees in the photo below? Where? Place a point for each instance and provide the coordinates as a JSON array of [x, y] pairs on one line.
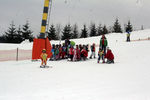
[[72, 32], [17, 35]]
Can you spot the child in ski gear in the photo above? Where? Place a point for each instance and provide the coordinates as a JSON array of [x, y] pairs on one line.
[[43, 57], [57, 52], [71, 53], [63, 51], [92, 51], [76, 56], [109, 55], [103, 43], [80, 47], [87, 48], [100, 55], [53, 52], [84, 54], [78, 52], [60, 51]]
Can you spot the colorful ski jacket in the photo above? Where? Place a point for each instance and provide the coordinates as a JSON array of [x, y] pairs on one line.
[[100, 52], [71, 51], [84, 52], [53, 51], [56, 51], [44, 56], [109, 55], [93, 48], [103, 41]]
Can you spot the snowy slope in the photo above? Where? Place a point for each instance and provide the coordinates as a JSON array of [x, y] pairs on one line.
[[113, 37], [127, 79]]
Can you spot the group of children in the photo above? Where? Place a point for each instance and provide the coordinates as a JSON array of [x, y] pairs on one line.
[[70, 52], [74, 52]]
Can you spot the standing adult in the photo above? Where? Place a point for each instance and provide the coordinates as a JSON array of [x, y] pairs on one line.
[[128, 36], [103, 43], [67, 44]]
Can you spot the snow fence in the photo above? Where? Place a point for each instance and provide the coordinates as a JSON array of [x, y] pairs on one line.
[[15, 55]]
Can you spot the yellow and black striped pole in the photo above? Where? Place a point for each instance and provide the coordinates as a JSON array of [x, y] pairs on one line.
[[44, 19]]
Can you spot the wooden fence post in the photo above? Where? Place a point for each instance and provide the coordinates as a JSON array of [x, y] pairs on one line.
[[17, 55]]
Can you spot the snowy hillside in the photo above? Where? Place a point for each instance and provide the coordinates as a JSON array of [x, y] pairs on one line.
[[127, 79], [114, 37]]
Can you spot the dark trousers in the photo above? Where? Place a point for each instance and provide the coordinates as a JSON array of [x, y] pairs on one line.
[[109, 61], [128, 39], [83, 57], [100, 57], [104, 48], [71, 57]]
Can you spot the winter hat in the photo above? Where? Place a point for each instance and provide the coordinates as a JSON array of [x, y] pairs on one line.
[[100, 48], [103, 36], [44, 50], [108, 48]]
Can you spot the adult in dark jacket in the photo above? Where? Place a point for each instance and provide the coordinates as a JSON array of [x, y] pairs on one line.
[[128, 36], [103, 43], [110, 57], [67, 42]]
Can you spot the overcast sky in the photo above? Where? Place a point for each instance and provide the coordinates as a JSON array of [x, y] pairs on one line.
[[75, 11]]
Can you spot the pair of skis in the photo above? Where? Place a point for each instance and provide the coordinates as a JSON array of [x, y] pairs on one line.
[[45, 66]]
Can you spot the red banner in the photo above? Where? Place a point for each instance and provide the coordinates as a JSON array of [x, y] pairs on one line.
[[38, 46]]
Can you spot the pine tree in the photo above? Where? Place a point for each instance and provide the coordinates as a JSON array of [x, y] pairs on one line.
[[84, 32], [26, 32], [105, 30], [58, 31], [128, 27], [110, 29], [99, 30], [19, 34], [66, 34], [11, 34], [117, 27], [93, 30], [52, 33], [2, 39], [75, 32]]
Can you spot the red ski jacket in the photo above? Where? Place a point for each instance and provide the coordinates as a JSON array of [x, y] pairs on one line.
[[84, 52], [109, 55], [71, 51]]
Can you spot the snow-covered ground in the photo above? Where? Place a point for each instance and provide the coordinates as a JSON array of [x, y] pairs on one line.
[[127, 79]]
